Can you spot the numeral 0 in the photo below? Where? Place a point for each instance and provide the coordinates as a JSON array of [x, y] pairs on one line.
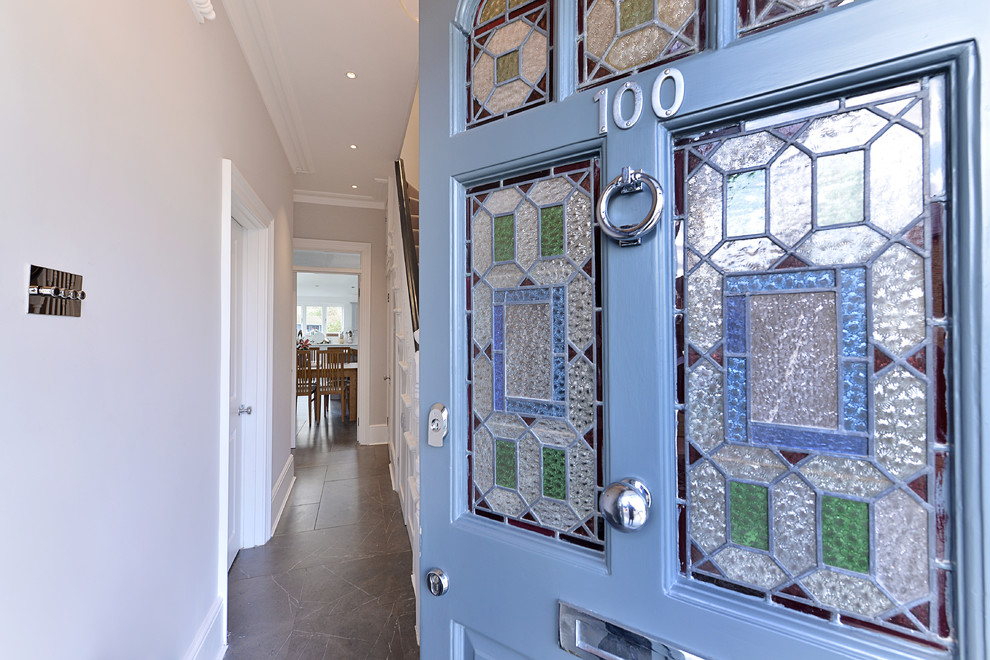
[[661, 111]]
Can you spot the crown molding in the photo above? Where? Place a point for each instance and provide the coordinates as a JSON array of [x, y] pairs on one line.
[[336, 199], [203, 10], [255, 30]]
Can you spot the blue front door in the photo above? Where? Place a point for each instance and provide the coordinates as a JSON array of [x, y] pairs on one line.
[[789, 364]]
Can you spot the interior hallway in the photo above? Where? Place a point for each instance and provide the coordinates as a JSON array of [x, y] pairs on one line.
[[334, 581]]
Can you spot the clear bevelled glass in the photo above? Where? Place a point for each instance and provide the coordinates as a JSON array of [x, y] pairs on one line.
[[813, 350], [536, 397]]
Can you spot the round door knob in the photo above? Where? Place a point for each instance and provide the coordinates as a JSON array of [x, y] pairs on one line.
[[626, 504]]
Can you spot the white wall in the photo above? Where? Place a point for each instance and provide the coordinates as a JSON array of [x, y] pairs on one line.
[[340, 223], [114, 120]]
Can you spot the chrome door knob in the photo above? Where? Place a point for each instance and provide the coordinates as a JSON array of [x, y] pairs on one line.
[[626, 504]]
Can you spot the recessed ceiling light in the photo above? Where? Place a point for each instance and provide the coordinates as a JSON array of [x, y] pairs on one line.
[[353, 146], [354, 187], [351, 75]]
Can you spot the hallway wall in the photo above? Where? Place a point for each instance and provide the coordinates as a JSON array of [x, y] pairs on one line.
[[341, 223], [115, 118]]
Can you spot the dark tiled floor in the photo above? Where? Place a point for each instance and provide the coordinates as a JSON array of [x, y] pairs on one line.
[[333, 583]]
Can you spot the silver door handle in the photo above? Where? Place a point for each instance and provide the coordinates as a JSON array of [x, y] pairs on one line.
[[626, 504], [244, 411]]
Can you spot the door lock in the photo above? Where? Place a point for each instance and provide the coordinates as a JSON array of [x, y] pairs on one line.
[[437, 581], [437, 425]]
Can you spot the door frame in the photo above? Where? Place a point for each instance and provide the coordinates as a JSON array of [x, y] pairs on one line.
[[239, 202], [364, 318]]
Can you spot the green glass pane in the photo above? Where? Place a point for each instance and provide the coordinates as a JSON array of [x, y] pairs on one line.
[[749, 519], [635, 12], [507, 66], [846, 534], [505, 245], [554, 473], [505, 463], [492, 9], [552, 231]]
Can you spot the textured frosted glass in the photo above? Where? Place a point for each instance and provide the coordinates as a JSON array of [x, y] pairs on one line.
[[843, 131], [639, 47], [750, 567], [704, 314], [601, 27], [795, 524], [846, 476], [846, 534], [844, 245], [554, 473], [705, 403], [634, 12], [555, 515], [915, 115], [505, 425], [581, 381], [582, 479], [504, 275], [747, 254], [482, 296], [553, 432], [551, 271], [506, 501], [511, 65], [752, 463], [707, 506], [530, 486], [749, 515], [790, 196], [846, 592], [484, 460], [705, 206], [550, 191], [579, 227], [527, 234], [889, 93], [901, 423], [898, 299], [580, 312], [840, 188], [896, 192], [481, 242], [528, 351], [745, 208], [794, 365], [751, 150], [503, 201], [902, 546], [761, 14], [936, 139], [483, 388]]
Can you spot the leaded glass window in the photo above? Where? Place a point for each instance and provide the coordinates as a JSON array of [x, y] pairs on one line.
[[759, 15], [509, 68], [619, 36], [535, 447], [813, 447]]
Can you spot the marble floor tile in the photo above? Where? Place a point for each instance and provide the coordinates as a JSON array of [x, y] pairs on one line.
[[333, 583]]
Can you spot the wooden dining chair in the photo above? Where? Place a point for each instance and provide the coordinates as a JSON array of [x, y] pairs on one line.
[[306, 384], [330, 380]]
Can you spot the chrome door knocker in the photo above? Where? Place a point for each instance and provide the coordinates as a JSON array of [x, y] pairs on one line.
[[631, 181]]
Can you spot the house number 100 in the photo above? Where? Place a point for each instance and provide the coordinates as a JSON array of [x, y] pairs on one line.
[[661, 111]]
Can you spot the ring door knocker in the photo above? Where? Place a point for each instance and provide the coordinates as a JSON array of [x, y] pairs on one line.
[[631, 181]]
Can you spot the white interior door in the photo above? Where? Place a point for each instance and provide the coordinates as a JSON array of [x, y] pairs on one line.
[[782, 374], [235, 477]]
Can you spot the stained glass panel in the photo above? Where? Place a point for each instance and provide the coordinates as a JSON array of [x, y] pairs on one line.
[[536, 435], [813, 445], [759, 15], [509, 68], [619, 36]]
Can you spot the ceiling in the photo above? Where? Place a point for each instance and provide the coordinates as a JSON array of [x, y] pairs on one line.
[[327, 285], [300, 52]]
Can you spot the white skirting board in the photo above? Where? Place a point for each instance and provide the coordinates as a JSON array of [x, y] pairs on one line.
[[209, 644], [378, 434], [281, 490]]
